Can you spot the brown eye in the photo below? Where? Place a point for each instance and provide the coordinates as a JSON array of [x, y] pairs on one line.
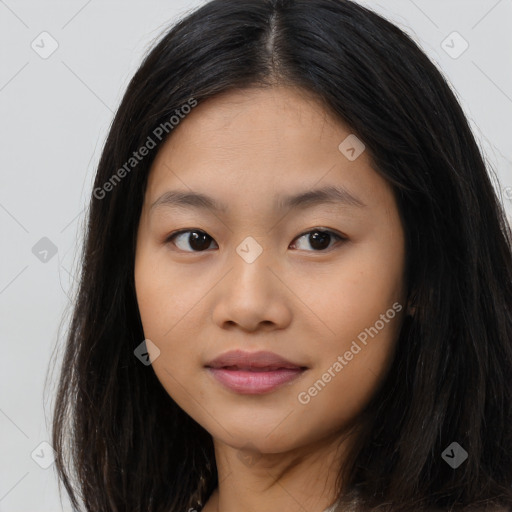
[[319, 239], [197, 240]]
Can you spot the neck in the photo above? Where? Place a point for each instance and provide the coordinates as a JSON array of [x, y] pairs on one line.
[[302, 479]]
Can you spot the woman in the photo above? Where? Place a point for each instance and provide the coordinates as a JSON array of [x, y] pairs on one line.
[[335, 330]]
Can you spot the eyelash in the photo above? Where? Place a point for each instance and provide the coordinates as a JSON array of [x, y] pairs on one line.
[[340, 238]]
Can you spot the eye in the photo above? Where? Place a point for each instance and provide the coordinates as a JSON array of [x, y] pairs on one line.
[[319, 238], [197, 240]]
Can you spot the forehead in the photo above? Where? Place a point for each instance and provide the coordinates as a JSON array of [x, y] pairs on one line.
[[257, 143]]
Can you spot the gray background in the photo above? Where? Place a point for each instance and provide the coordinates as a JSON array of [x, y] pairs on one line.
[[55, 113]]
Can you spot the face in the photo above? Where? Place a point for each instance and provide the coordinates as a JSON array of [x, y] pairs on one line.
[[318, 281]]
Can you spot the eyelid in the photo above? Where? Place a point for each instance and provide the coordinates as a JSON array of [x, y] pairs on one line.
[[323, 230]]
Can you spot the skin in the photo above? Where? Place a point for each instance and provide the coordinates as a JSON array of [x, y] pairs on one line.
[[307, 305]]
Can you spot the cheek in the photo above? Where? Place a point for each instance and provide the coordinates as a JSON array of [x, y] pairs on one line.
[[352, 363], [361, 305], [167, 306], [354, 294], [165, 295]]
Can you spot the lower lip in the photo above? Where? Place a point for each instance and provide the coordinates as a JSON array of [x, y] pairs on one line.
[[255, 383]]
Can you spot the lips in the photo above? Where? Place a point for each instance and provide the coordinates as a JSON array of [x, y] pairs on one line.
[[252, 361], [253, 373]]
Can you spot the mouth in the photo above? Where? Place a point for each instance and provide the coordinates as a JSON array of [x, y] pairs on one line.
[[253, 373], [255, 381]]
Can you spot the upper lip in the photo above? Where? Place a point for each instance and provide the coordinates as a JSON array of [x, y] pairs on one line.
[[242, 360]]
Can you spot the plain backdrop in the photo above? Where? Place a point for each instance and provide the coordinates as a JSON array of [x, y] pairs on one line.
[[55, 113]]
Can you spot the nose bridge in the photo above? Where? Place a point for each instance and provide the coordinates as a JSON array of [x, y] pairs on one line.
[[250, 294], [249, 250], [251, 261]]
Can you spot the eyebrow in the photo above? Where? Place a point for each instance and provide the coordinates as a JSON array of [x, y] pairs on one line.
[[326, 195]]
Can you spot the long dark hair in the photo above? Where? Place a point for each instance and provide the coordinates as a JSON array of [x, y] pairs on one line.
[[123, 444]]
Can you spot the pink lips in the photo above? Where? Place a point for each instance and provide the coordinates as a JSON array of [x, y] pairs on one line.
[[253, 373]]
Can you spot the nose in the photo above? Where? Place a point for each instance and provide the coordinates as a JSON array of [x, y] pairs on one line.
[[252, 296]]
